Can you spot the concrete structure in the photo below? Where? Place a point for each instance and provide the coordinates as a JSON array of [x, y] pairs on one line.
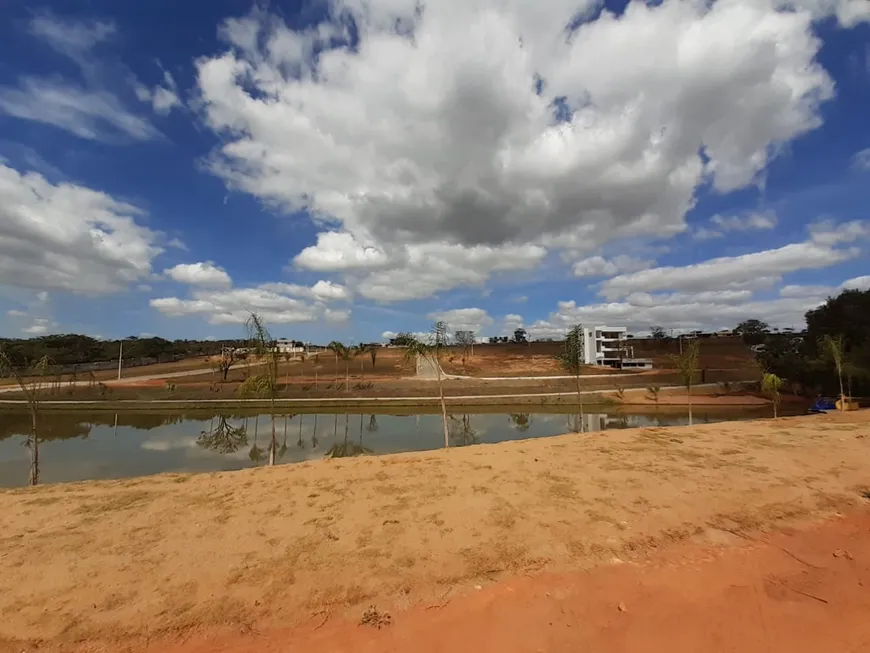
[[606, 345]]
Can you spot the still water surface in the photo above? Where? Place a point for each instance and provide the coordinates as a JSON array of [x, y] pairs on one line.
[[80, 445]]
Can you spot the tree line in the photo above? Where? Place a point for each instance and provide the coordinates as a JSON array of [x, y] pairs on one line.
[[73, 349], [832, 355]]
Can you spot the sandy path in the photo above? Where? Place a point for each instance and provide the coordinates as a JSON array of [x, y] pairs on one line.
[[112, 563]]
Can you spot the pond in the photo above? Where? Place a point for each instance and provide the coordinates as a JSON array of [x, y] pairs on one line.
[[80, 445]]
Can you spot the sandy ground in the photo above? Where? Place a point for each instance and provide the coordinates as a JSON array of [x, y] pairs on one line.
[[179, 560], [796, 591]]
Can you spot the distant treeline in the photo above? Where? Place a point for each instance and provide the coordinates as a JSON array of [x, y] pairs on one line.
[[70, 350]]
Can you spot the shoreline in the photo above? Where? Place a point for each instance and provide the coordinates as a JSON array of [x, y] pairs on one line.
[[123, 563], [600, 397]]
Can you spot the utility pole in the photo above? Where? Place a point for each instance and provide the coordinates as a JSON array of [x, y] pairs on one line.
[[120, 357]]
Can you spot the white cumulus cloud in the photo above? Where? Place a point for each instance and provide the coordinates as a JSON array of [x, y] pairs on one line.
[[199, 274], [276, 303], [598, 266], [69, 237], [464, 319], [749, 271], [490, 124]]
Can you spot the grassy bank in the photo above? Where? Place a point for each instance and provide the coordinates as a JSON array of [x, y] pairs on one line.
[[109, 563]]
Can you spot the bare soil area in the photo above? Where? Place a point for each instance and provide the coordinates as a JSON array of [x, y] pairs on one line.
[[792, 590], [539, 358], [117, 565], [496, 361]]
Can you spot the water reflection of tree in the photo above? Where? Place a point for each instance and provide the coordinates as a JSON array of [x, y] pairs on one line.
[[224, 438], [521, 421], [373, 423], [462, 434], [347, 449], [256, 453]]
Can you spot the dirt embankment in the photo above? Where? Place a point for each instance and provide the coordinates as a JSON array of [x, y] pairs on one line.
[[115, 564]]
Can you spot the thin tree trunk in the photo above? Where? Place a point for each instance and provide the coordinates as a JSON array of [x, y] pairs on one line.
[[34, 449], [689, 399], [579, 401], [842, 394], [774, 409], [300, 430], [443, 405], [273, 445]]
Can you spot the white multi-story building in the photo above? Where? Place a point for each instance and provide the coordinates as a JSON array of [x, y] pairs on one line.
[[604, 345]]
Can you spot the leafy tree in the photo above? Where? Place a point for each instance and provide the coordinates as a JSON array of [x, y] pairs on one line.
[[18, 370], [687, 367], [373, 352], [229, 356], [752, 332], [465, 339], [653, 393], [847, 314], [520, 337], [658, 333], [571, 358], [430, 352], [264, 384], [771, 383], [402, 339]]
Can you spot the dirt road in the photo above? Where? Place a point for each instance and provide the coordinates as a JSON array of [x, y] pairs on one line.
[[121, 565]]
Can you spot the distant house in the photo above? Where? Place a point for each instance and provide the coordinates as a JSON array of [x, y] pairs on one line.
[[285, 346]]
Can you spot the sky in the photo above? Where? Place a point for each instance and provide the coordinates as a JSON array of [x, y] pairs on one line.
[[355, 168]]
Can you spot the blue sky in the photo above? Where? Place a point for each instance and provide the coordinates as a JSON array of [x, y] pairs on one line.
[[359, 167]]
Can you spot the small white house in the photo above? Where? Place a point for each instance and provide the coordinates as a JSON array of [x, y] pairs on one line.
[[285, 346]]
